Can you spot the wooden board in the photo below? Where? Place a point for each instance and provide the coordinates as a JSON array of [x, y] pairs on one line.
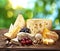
[[3, 47]]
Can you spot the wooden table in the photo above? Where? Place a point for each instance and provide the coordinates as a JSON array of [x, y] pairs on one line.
[[55, 46]]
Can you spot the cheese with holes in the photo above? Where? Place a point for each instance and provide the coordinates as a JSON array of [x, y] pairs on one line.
[[37, 25]]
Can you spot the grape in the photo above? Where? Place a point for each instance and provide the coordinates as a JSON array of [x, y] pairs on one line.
[[30, 41], [26, 41], [23, 42], [27, 30], [26, 38], [23, 39]]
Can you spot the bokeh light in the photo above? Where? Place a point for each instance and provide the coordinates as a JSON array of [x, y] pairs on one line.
[[10, 14], [47, 9], [22, 3]]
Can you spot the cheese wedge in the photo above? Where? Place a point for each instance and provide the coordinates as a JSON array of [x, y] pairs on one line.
[[18, 25], [12, 34], [20, 21], [11, 27], [37, 25]]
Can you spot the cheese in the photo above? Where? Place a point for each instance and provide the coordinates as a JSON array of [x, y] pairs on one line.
[[18, 25], [38, 36], [37, 25], [48, 41], [21, 35], [20, 21], [12, 34], [11, 27], [45, 31], [50, 34], [15, 41]]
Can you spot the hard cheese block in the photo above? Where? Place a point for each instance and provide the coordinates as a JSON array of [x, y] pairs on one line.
[[20, 21], [37, 25], [18, 25]]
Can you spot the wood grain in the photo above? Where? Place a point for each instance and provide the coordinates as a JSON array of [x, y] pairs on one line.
[[55, 46]]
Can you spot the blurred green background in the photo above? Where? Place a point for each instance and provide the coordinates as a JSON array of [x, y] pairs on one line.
[[48, 9]]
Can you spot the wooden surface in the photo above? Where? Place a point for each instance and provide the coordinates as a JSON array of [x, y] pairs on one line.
[[55, 46]]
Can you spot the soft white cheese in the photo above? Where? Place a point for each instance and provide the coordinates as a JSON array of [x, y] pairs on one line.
[[38, 36]]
